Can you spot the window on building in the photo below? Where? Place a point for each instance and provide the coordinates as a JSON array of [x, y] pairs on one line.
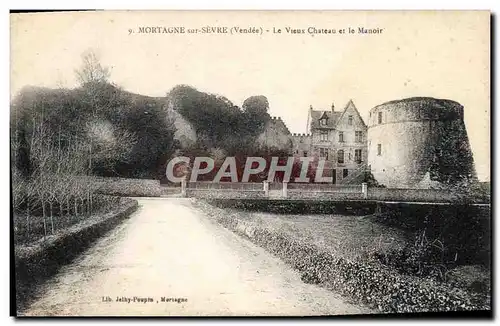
[[323, 135], [359, 136], [323, 122], [380, 117], [341, 136], [305, 153], [345, 173], [323, 152], [340, 156], [357, 155], [349, 120], [379, 149]]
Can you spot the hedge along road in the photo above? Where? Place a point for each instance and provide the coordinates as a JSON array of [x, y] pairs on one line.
[[169, 250]]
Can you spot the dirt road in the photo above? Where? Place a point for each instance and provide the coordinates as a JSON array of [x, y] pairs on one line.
[[169, 250]]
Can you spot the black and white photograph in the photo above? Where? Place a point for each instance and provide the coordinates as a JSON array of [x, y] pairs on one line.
[[256, 163]]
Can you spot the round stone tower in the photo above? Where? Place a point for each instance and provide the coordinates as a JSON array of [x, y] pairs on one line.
[[419, 142]]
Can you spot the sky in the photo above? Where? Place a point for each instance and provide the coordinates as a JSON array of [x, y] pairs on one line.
[[436, 54]]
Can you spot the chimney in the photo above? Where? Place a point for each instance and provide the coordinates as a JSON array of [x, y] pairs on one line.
[[333, 107]]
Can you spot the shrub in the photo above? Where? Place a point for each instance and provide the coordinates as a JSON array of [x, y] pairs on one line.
[[128, 187]]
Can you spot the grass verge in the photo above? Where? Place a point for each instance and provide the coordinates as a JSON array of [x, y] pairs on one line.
[[353, 272]]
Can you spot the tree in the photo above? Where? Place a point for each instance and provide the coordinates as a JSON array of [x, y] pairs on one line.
[[452, 163], [91, 71], [214, 117], [93, 78], [217, 121], [111, 145], [147, 120], [255, 115], [257, 105]]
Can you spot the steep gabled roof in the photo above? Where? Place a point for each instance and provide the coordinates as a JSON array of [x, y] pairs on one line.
[[317, 115], [350, 104]]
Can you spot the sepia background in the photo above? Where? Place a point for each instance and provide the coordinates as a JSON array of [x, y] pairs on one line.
[[89, 149], [437, 54]]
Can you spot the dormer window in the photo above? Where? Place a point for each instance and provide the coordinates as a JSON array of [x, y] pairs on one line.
[[323, 119]]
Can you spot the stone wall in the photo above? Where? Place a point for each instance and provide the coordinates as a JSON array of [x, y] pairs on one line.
[[276, 135], [301, 144]]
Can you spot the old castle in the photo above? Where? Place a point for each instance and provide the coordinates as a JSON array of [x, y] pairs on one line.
[[339, 137], [407, 143]]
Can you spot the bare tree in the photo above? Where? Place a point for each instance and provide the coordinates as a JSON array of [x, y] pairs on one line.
[[91, 70], [92, 76]]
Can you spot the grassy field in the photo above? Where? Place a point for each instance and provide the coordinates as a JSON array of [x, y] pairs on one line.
[[350, 237], [385, 267]]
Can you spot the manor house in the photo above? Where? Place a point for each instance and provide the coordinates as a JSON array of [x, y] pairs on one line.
[[339, 137]]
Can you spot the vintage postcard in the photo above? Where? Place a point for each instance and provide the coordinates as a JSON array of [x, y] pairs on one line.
[[250, 163]]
